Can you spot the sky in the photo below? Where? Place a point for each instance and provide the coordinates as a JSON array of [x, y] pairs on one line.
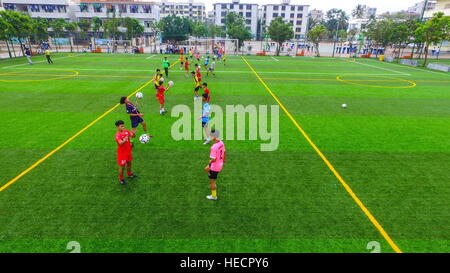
[[347, 5]]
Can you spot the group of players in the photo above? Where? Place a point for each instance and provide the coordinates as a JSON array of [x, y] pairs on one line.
[[125, 138]]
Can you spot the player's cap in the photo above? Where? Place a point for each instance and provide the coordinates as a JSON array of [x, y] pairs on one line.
[[215, 133]]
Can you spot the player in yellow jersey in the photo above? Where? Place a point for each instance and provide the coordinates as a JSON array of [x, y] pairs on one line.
[[197, 84], [157, 78]]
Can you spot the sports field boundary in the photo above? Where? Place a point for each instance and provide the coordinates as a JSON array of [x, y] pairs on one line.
[[37, 163], [56, 58], [328, 163]]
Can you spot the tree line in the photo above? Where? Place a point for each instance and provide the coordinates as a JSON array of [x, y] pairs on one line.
[[20, 26], [398, 31]]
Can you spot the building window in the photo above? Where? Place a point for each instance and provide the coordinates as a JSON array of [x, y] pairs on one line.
[[249, 6], [275, 15], [282, 15], [299, 29], [293, 8], [300, 8], [299, 15], [275, 7], [283, 8], [248, 14], [224, 6], [292, 15], [241, 6]]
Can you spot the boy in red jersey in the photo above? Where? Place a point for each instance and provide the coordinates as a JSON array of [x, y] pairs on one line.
[[197, 72], [206, 90], [186, 67], [160, 96], [124, 149]]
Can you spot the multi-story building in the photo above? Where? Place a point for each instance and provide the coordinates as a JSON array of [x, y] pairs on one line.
[[247, 10], [193, 10], [441, 6], [316, 15], [296, 15], [48, 9], [145, 12], [361, 22], [418, 8]]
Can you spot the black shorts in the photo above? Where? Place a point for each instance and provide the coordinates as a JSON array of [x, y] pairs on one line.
[[135, 121], [213, 174], [182, 62], [197, 88], [204, 124]]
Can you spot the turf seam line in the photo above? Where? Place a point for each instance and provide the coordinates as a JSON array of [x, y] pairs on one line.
[[330, 166], [37, 163]]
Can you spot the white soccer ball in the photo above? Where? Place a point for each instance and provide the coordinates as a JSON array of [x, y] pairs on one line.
[[199, 67], [161, 79], [171, 83], [344, 105], [139, 95], [144, 139]]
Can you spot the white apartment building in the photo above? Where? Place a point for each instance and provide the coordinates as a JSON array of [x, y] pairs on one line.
[[418, 7], [296, 15], [361, 23], [316, 14], [441, 6], [247, 10], [145, 12], [48, 9], [194, 10]]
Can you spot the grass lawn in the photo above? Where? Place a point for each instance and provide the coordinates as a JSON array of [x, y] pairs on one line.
[[390, 146]]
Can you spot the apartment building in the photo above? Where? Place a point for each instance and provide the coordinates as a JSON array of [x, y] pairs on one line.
[[193, 10], [296, 15], [247, 10]]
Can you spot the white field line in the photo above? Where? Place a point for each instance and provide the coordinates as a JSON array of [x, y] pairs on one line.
[[224, 71], [11, 66], [274, 59], [382, 68], [150, 57]]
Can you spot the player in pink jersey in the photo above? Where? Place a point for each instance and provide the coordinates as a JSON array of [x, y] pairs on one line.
[[217, 159]]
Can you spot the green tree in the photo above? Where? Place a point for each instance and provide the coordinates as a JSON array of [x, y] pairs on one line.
[[84, 26], [381, 32], [21, 25], [57, 26], [134, 28], [174, 28], [235, 26], [71, 29], [39, 27], [315, 35], [280, 32], [215, 31], [5, 31], [358, 12], [333, 18], [199, 29], [96, 25], [433, 31]]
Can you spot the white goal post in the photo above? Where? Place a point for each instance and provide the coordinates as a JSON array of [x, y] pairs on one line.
[[114, 46], [208, 45]]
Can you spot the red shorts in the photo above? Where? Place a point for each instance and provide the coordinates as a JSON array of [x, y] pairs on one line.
[[160, 98], [123, 159]]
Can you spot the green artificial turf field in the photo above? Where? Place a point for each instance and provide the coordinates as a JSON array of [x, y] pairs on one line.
[[390, 146]]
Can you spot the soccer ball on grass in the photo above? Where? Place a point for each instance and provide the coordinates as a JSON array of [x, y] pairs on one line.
[[171, 83], [144, 139], [139, 95]]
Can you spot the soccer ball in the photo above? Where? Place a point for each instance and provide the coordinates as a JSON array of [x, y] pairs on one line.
[[344, 106], [144, 139], [199, 67], [171, 83], [139, 95], [161, 79]]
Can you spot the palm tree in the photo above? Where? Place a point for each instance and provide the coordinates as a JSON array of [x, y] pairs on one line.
[[358, 12]]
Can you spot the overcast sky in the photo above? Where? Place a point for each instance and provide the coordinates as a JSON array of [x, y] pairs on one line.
[[347, 5]]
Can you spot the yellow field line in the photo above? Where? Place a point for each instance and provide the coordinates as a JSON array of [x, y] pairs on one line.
[[330, 166], [69, 140]]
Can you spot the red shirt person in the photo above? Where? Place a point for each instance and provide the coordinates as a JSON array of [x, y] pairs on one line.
[[160, 96], [124, 150], [206, 90]]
